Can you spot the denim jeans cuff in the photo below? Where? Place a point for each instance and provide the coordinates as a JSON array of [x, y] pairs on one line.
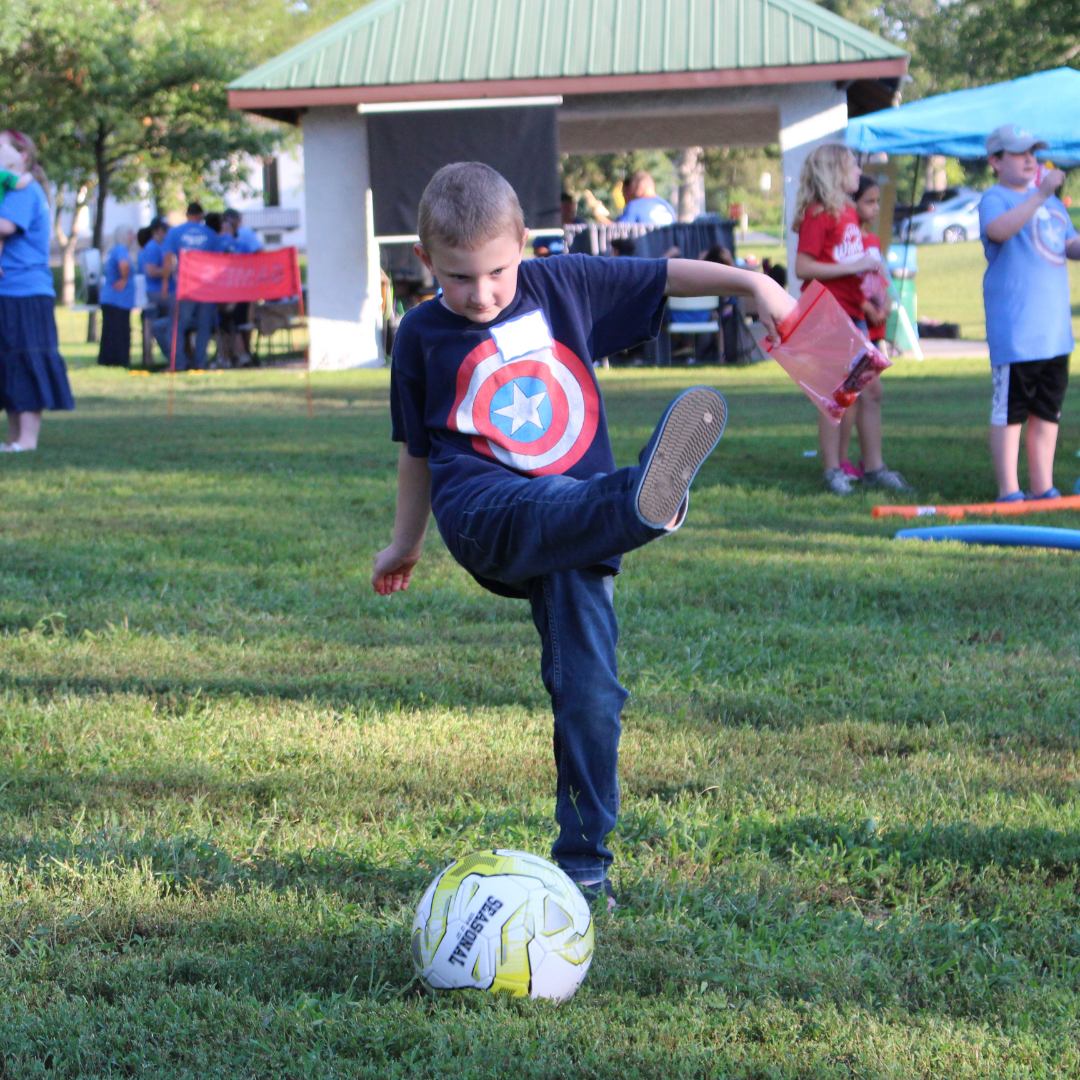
[[586, 875]]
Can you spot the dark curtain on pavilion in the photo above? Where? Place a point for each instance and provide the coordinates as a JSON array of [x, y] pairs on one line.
[[406, 148]]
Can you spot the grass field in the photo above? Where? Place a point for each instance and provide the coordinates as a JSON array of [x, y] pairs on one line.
[[850, 831]]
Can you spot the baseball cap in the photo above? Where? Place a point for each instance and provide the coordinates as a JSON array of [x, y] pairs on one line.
[[1013, 139]]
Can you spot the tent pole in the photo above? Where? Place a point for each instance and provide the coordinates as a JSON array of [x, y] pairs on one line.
[[906, 234]]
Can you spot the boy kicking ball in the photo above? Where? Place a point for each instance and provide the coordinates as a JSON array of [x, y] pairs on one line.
[[504, 439]]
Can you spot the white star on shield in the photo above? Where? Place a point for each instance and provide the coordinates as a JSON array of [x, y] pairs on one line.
[[525, 409]]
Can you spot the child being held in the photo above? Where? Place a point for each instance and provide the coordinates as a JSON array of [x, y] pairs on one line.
[[10, 181]]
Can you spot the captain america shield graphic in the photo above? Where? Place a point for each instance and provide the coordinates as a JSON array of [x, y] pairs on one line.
[[1050, 232], [537, 413]]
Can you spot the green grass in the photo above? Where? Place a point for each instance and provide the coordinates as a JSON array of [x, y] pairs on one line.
[[850, 831]]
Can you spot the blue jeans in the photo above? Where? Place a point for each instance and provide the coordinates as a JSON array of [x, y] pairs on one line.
[[202, 318], [545, 538]]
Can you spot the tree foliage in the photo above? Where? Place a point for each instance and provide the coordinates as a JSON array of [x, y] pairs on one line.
[[956, 44], [130, 96], [111, 91], [972, 42]]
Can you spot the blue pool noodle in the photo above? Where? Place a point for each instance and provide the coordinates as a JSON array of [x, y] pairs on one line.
[[1008, 535]]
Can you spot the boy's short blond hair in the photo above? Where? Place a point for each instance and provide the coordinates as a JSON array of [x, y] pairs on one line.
[[465, 204]]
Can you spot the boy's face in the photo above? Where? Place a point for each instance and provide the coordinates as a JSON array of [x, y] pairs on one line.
[[1015, 171], [477, 283]]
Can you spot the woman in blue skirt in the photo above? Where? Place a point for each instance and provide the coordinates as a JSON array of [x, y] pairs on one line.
[[117, 300], [33, 376]]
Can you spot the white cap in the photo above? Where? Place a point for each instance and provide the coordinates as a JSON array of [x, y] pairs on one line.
[[1013, 139]]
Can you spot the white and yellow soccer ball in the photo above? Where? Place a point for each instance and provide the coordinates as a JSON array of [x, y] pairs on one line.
[[504, 921]]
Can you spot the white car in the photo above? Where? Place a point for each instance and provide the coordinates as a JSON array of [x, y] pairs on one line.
[[950, 222]]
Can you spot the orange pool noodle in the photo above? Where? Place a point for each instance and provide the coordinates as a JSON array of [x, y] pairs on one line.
[[1010, 509]]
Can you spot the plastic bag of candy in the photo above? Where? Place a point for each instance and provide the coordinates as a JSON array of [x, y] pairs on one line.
[[825, 353]]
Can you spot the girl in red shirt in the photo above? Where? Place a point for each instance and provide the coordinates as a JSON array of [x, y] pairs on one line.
[[875, 306], [831, 250]]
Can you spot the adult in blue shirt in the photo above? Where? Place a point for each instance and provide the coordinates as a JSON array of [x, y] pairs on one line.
[[117, 299], [193, 235], [236, 236], [1027, 236], [33, 376], [644, 206], [151, 264], [235, 320]]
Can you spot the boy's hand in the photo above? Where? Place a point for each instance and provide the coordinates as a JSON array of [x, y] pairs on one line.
[[773, 305], [392, 570], [1051, 181]]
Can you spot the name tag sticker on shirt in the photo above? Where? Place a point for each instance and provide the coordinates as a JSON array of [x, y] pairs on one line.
[[526, 334]]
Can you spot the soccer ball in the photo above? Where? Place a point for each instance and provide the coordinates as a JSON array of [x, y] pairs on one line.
[[503, 921]]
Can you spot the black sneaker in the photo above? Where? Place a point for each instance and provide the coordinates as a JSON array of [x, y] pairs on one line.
[[686, 435], [600, 890]]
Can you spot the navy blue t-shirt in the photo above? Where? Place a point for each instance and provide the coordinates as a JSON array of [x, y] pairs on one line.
[[520, 393]]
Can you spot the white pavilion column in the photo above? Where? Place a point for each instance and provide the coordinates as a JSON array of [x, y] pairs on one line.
[[343, 263], [810, 114]]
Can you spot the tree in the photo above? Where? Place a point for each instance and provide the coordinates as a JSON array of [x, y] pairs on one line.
[[690, 169], [260, 29], [956, 44], [112, 90]]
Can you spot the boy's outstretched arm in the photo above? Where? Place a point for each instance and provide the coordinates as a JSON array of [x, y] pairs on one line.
[[696, 277], [393, 566]]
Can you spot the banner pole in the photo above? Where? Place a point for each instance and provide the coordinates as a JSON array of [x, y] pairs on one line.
[[172, 354], [307, 347]]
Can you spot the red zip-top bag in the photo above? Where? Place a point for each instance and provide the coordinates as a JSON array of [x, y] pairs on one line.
[[825, 353]]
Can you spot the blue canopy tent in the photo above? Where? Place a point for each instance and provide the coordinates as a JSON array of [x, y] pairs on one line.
[[956, 124]]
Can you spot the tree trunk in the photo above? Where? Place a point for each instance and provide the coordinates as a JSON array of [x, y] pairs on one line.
[[936, 179], [99, 209], [101, 168], [67, 241], [690, 169]]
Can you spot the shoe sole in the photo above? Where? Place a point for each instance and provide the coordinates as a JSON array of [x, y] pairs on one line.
[[689, 432]]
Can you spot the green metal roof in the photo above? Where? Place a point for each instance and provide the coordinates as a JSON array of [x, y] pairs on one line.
[[404, 42]]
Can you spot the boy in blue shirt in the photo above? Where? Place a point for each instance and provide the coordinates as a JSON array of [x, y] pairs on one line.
[[504, 438], [1027, 235]]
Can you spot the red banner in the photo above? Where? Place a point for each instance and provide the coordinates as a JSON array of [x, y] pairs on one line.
[[220, 278]]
